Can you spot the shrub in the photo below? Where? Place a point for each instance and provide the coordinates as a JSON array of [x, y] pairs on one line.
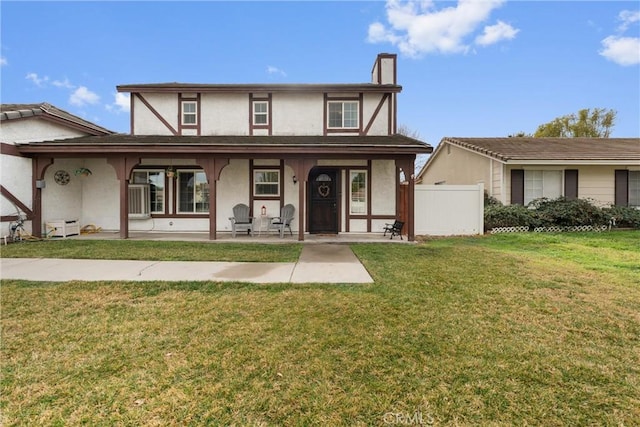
[[566, 213], [507, 216], [490, 200], [625, 216]]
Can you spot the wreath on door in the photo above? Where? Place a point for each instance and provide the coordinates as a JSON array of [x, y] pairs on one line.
[[324, 190]]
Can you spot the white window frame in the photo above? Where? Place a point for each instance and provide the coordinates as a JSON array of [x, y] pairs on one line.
[[342, 115], [358, 200], [264, 113], [199, 178], [259, 182], [148, 181], [538, 178], [184, 114]]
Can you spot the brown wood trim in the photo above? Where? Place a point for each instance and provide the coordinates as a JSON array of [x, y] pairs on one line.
[[10, 150], [391, 130], [155, 113], [369, 194], [197, 126], [132, 104], [375, 113], [360, 111], [269, 125], [325, 116], [13, 199]]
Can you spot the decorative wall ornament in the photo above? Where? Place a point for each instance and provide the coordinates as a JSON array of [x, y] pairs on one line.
[[61, 177], [82, 171], [324, 190]]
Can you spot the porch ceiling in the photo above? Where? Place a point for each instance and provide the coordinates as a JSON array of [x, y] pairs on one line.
[[229, 145]]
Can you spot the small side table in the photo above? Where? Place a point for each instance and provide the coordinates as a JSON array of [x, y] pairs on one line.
[[263, 223]]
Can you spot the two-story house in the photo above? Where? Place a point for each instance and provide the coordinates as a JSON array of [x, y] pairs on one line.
[[196, 150]]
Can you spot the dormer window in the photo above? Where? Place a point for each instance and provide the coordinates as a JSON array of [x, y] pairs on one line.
[[343, 115], [189, 113]]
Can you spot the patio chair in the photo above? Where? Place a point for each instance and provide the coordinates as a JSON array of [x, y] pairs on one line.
[[284, 220], [395, 229], [241, 219]]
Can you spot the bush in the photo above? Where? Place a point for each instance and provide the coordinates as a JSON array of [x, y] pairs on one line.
[[507, 216], [624, 216], [558, 212], [567, 213]]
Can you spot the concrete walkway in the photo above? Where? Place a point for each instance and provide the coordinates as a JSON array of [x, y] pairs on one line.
[[318, 263]]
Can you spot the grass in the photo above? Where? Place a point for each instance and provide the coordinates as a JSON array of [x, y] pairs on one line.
[[495, 330], [154, 250]]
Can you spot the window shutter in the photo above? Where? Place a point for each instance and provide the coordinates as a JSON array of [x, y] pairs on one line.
[[571, 184], [622, 187], [517, 186]]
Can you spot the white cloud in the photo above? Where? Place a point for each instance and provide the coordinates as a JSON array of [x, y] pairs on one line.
[[63, 84], [628, 17], [495, 33], [120, 104], [418, 28], [3, 61], [275, 70], [83, 96], [37, 80], [621, 50]]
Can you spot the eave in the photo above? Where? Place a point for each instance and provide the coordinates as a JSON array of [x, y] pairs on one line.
[[259, 88]]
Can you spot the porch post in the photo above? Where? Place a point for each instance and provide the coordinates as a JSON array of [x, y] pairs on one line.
[[301, 169], [39, 165], [123, 167], [212, 168], [407, 165]]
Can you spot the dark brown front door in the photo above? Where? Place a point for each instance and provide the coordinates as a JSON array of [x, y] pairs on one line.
[[323, 201]]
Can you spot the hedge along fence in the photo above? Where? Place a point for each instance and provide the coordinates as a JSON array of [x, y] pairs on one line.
[[557, 215]]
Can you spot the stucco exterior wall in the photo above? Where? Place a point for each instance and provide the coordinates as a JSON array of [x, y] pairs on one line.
[[456, 166], [16, 172], [225, 114], [383, 184], [380, 125], [297, 114], [146, 122]]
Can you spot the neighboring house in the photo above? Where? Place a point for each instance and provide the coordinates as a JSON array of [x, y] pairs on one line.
[[519, 170], [21, 124], [196, 150]]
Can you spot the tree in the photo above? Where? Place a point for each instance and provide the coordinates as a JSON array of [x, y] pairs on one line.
[[421, 159], [596, 123]]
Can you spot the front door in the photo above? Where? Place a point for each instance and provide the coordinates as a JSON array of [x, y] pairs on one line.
[[323, 201]]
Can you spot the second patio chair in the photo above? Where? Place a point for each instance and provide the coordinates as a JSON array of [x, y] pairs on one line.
[[284, 220]]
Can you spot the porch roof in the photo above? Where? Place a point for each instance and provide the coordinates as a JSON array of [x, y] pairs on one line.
[[229, 145]]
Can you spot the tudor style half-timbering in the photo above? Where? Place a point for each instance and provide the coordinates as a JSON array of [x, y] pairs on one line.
[[22, 124], [196, 150]]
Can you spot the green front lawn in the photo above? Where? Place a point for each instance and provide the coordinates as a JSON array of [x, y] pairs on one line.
[[496, 330]]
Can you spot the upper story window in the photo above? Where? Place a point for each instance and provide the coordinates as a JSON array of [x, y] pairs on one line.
[[343, 115], [266, 183], [260, 112], [189, 113]]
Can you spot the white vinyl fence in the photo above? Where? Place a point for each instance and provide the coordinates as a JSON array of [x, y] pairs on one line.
[[449, 210]]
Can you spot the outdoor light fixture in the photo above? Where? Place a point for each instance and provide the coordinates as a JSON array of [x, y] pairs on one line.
[[295, 180]]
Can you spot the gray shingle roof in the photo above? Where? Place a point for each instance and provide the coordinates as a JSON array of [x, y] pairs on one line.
[[21, 111], [388, 145], [513, 149]]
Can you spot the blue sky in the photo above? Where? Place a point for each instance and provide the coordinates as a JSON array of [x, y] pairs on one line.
[[468, 68]]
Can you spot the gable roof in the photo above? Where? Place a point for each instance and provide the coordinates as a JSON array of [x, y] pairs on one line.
[[553, 149], [51, 113]]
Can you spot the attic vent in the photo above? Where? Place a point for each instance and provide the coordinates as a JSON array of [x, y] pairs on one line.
[[139, 201]]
